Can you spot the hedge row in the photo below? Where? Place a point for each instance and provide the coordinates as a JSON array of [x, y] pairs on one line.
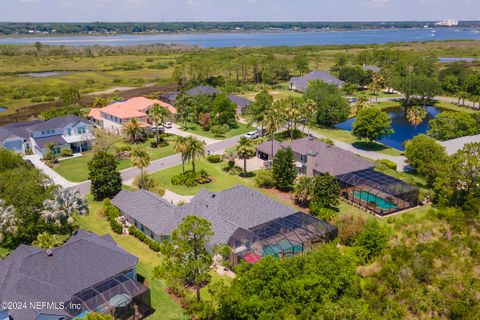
[[112, 213], [154, 245]]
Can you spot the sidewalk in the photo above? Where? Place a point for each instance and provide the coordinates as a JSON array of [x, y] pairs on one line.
[[56, 178], [176, 130]]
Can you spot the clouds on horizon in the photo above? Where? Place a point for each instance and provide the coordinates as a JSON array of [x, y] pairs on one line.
[[237, 10]]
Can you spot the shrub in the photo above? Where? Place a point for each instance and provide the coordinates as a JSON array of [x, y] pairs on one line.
[[323, 213], [327, 141], [214, 158], [350, 226], [389, 164], [154, 245], [218, 130], [66, 153], [149, 184], [153, 144], [191, 179], [264, 179], [373, 239], [112, 213]]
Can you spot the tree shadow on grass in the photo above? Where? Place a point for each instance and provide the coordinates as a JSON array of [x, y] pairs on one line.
[[367, 146], [248, 175]]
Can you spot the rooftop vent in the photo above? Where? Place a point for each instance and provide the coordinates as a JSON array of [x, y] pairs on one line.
[[213, 195], [49, 252]]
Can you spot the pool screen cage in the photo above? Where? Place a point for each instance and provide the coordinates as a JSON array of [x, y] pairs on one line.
[[119, 296], [282, 237], [377, 192]]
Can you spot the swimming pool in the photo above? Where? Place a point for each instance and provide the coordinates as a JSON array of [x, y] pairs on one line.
[[369, 197], [284, 246]]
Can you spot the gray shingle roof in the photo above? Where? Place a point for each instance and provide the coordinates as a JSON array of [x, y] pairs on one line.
[[43, 142], [203, 90], [371, 68], [227, 210], [29, 275], [239, 101], [149, 209], [302, 82], [170, 96], [57, 123], [331, 159], [17, 129]]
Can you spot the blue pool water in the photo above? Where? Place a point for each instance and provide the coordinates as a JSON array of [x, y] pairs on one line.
[[403, 130], [368, 197]]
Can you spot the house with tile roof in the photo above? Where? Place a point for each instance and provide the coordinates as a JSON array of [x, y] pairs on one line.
[[300, 84], [253, 224], [114, 116], [88, 274]]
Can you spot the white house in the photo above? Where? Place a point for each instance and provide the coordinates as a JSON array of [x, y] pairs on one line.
[[68, 132]]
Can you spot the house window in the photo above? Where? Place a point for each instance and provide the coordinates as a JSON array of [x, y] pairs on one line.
[[69, 131], [81, 130]]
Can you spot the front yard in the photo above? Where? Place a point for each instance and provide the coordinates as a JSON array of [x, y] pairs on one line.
[[76, 169], [195, 128], [220, 179]]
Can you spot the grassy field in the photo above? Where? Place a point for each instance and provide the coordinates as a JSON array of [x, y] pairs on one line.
[[346, 136], [76, 169], [220, 179], [195, 128]]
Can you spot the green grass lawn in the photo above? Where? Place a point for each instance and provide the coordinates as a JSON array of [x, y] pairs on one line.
[[346, 136], [220, 179], [76, 169], [165, 306], [238, 130]]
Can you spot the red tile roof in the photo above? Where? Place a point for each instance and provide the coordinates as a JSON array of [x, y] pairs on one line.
[[132, 108]]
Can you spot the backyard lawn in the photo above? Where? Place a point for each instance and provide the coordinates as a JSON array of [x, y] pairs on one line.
[[346, 136], [220, 179], [238, 130], [76, 169]]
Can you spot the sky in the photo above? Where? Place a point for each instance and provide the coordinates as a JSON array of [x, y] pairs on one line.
[[236, 10]]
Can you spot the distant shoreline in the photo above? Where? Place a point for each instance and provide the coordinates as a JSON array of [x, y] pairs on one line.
[[204, 32]]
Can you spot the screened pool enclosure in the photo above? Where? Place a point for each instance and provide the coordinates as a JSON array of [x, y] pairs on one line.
[[377, 192], [282, 237]]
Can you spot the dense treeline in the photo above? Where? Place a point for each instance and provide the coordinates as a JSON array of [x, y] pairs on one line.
[[142, 27]]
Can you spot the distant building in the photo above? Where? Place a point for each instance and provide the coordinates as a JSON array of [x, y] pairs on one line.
[[114, 116], [88, 274], [371, 68], [300, 84], [447, 23], [240, 102], [16, 137]]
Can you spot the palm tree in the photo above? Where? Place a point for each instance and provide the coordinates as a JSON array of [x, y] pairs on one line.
[[415, 115], [195, 150], [230, 155], [158, 115], [304, 190], [360, 104], [181, 146], [245, 150], [65, 203], [8, 220], [309, 108], [291, 110], [133, 131], [273, 121], [140, 159]]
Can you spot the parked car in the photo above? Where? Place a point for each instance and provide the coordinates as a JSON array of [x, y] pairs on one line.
[[154, 129], [251, 135], [168, 125]]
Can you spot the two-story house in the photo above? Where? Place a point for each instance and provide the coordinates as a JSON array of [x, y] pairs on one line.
[[16, 137], [68, 132], [88, 274], [114, 116]]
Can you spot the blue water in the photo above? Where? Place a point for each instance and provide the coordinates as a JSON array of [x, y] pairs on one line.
[[254, 39], [447, 60], [403, 129]]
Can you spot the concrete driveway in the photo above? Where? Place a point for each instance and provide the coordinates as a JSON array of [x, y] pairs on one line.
[[55, 177]]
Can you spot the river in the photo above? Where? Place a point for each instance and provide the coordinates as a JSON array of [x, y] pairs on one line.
[[256, 39]]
